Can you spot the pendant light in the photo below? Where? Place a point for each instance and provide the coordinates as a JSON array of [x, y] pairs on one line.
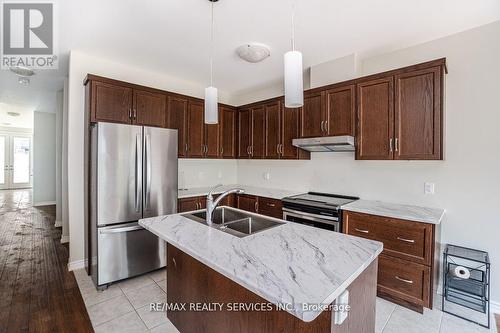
[[211, 105], [294, 85]]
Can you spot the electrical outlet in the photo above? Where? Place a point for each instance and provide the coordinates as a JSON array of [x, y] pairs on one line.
[[429, 188], [342, 312], [266, 176]]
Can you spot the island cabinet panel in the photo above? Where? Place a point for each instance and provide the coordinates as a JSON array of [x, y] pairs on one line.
[[228, 132], [177, 108], [195, 130], [270, 207], [244, 133], [111, 103], [250, 203], [375, 134], [149, 108], [312, 115], [190, 281], [340, 110], [273, 130], [418, 113], [409, 263]]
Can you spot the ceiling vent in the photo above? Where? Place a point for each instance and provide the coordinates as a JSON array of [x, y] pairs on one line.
[[253, 52]]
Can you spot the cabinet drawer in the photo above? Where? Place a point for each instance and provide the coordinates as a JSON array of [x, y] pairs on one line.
[[404, 280], [403, 239], [270, 207]]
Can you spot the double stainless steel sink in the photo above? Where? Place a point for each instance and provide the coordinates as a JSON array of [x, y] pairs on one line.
[[235, 222]]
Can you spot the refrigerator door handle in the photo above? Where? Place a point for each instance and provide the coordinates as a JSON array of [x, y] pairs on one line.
[[118, 230], [148, 171], [138, 172]]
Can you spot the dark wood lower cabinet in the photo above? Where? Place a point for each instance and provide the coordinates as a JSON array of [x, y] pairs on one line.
[[250, 203], [270, 207], [190, 281]]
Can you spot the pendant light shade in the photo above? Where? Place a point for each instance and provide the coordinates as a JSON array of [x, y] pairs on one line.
[[294, 85], [211, 106], [211, 100]]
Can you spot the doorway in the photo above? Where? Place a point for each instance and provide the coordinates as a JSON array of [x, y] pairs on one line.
[[15, 157]]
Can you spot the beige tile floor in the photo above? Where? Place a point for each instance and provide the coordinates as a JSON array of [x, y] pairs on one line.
[[124, 307]]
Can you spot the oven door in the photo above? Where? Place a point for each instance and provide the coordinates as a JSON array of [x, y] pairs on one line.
[[318, 221]]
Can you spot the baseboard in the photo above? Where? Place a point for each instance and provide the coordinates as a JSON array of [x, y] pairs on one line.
[[58, 224], [44, 203], [64, 239], [74, 265]]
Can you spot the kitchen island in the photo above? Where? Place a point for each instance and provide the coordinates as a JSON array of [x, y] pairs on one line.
[[287, 278]]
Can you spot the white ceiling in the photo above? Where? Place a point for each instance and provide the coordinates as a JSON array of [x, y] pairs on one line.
[[172, 36]]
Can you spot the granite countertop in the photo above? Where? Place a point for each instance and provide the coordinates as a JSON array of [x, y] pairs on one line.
[[252, 190], [289, 264], [399, 211]]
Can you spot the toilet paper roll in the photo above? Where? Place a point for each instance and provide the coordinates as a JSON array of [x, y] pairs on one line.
[[460, 272]]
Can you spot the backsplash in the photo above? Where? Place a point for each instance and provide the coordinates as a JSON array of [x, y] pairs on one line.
[[204, 172]]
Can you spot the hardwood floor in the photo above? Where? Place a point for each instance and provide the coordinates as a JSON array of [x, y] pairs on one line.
[[37, 293]]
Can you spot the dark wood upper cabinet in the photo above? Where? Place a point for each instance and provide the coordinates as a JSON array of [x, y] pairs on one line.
[[290, 123], [418, 115], [340, 111], [273, 130], [195, 129], [212, 140], [244, 133], [258, 142], [227, 129], [375, 131], [149, 108], [177, 109], [111, 103], [312, 115]]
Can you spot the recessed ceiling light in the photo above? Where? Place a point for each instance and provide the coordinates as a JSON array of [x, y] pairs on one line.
[[22, 71], [253, 52], [24, 81], [14, 114]]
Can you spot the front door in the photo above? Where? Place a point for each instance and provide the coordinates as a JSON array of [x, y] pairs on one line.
[[15, 156]]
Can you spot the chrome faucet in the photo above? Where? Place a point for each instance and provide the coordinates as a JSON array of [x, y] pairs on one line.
[[211, 204]]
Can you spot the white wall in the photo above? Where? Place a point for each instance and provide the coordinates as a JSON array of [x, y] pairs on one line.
[[79, 66], [44, 158], [467, 182]]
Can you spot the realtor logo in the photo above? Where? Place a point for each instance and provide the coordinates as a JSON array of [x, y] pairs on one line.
[[28, 35]]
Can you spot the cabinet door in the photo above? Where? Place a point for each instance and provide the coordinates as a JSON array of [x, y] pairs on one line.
[[212, 140], [248, 203], [340, 110], [258, 142], [290, 130], [196, 130], [149, 108], [273, 130], [312, 115], [177, 119], [418, 113], [375, 120], [244, 133], [111, 103], [227, 123], [188, 204]]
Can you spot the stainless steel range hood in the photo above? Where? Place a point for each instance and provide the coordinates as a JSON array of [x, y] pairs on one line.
[[326, 143]]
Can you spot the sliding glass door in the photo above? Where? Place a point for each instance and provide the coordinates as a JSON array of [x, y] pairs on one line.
[[15, 156]]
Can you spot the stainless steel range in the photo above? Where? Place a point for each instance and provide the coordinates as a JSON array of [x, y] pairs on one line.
[[319, 210]]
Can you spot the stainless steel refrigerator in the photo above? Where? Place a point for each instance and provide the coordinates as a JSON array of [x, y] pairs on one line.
[[132, 175]]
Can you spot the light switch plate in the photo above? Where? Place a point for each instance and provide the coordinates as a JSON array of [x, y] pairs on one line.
[[267, 176], [340, 316], [429, 188]]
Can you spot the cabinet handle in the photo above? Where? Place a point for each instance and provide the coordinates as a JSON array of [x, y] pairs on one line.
[[271, 205], [326, 126], [406, 240], [404, 280], [135, 113], [186, 147], [256, 206], [396, 144], [278, 149], [248, 150], [362, 231], [222, 151], [321, 126], [130, 113], [390, 145], [174, 262], [251, 150], [281, 148]]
